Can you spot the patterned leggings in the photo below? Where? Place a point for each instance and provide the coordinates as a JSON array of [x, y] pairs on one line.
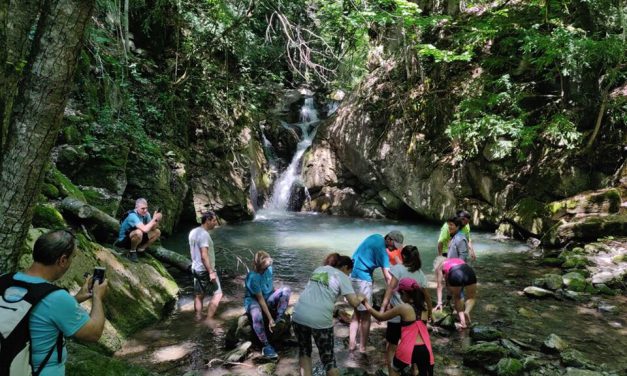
[[277, 303]]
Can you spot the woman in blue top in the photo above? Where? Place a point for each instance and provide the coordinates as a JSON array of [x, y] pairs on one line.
[[262, 299]]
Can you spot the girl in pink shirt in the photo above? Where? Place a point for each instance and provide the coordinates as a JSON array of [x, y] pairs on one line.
[[456, 275], [415, 344]]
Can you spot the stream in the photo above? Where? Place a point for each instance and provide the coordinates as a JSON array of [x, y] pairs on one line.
[[298, 243]]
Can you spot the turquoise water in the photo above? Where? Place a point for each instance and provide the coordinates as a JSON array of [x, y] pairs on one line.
[[298, 242]]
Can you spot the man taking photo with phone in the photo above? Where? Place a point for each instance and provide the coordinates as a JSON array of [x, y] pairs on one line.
[[56, 315]]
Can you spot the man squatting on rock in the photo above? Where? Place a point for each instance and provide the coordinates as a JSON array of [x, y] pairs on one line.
[[139, 230]]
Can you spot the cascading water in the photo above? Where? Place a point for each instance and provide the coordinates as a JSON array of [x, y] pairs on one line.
[[281, 194]]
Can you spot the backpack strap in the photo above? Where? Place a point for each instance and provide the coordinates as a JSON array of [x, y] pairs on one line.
[[59, 346], [36, 293]]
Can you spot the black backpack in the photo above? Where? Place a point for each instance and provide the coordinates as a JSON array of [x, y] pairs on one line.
[[15, 339], [125, 215]]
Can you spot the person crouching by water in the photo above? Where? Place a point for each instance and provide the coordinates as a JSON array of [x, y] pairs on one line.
[[313, 314], [411, 268], [203, 256], [457, 275], [414, 347], [262, 299]]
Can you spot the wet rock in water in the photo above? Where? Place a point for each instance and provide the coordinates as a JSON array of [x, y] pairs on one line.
[[513, 349], [537, 292], [553, 344], [444, 319], [483, 354], [509, 367], [574, 358], [552, 261], [553, 281], [344, 313], [531, 363], [581, 372], [604, 277], [572, 295], [605, 290], [242, 331], [239, 353], [571, 277], [606, 307], [527, 313], [485, 333], [267, 369]]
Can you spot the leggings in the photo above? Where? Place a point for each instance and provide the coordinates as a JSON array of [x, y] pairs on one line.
[[419, 357], [277, 302]]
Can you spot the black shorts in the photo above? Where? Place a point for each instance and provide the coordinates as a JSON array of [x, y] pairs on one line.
[[126, 242], [461, 275], [393, 332], [419, 357]]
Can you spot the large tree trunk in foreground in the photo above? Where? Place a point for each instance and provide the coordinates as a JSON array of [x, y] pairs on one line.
[[37, 109]]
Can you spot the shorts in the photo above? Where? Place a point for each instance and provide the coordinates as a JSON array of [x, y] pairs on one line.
[[126, 242], [364, 288], [324, 343], [461, 275], [203, 285], [393, 332], [419, 357]]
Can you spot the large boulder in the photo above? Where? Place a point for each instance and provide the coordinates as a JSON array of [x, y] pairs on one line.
[[587, 228], [484, 354], [509, 367], [139, 293]]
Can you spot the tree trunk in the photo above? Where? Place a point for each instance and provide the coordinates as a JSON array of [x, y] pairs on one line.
[[16, 20], [104, 227], [36, 115]]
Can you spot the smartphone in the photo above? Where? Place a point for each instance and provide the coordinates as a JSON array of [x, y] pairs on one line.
[[99, 275]]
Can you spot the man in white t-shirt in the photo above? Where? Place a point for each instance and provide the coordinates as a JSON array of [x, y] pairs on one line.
[[206, 279]]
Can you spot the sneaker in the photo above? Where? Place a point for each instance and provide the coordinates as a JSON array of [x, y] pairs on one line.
[[269, 353], [133, 256]]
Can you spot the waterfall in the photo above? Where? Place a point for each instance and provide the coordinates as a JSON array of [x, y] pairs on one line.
[[281, 194]]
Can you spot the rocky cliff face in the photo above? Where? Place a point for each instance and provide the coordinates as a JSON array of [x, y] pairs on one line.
[[386, 151]]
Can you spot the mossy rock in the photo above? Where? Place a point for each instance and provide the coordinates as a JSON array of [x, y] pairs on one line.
[[484, 354], [47, 216], [485, 333], [509, 367], [574, 358], [50, 191], [575, 262], [85, 362], [64, 185], [101, 199], [552, 261]]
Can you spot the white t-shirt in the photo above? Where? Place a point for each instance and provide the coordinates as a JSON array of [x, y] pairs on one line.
[[399, 272], [315, 306], [198, 238]]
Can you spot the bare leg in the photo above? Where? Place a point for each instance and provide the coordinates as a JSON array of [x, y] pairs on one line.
[[153, 235], [459, 305], [364, 331], [352, 330], [471, 298], [198, 306], [213, 304], [305, 365], [136, 238], [390, 350]]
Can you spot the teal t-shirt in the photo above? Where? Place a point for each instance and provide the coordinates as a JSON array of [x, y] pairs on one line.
[[131, 222], [58, 311], [258, 283], [370, 254]]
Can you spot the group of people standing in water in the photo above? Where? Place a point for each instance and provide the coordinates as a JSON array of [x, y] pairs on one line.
[[406, 305]]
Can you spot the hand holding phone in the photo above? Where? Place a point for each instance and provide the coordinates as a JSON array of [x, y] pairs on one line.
[[99, 275]]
